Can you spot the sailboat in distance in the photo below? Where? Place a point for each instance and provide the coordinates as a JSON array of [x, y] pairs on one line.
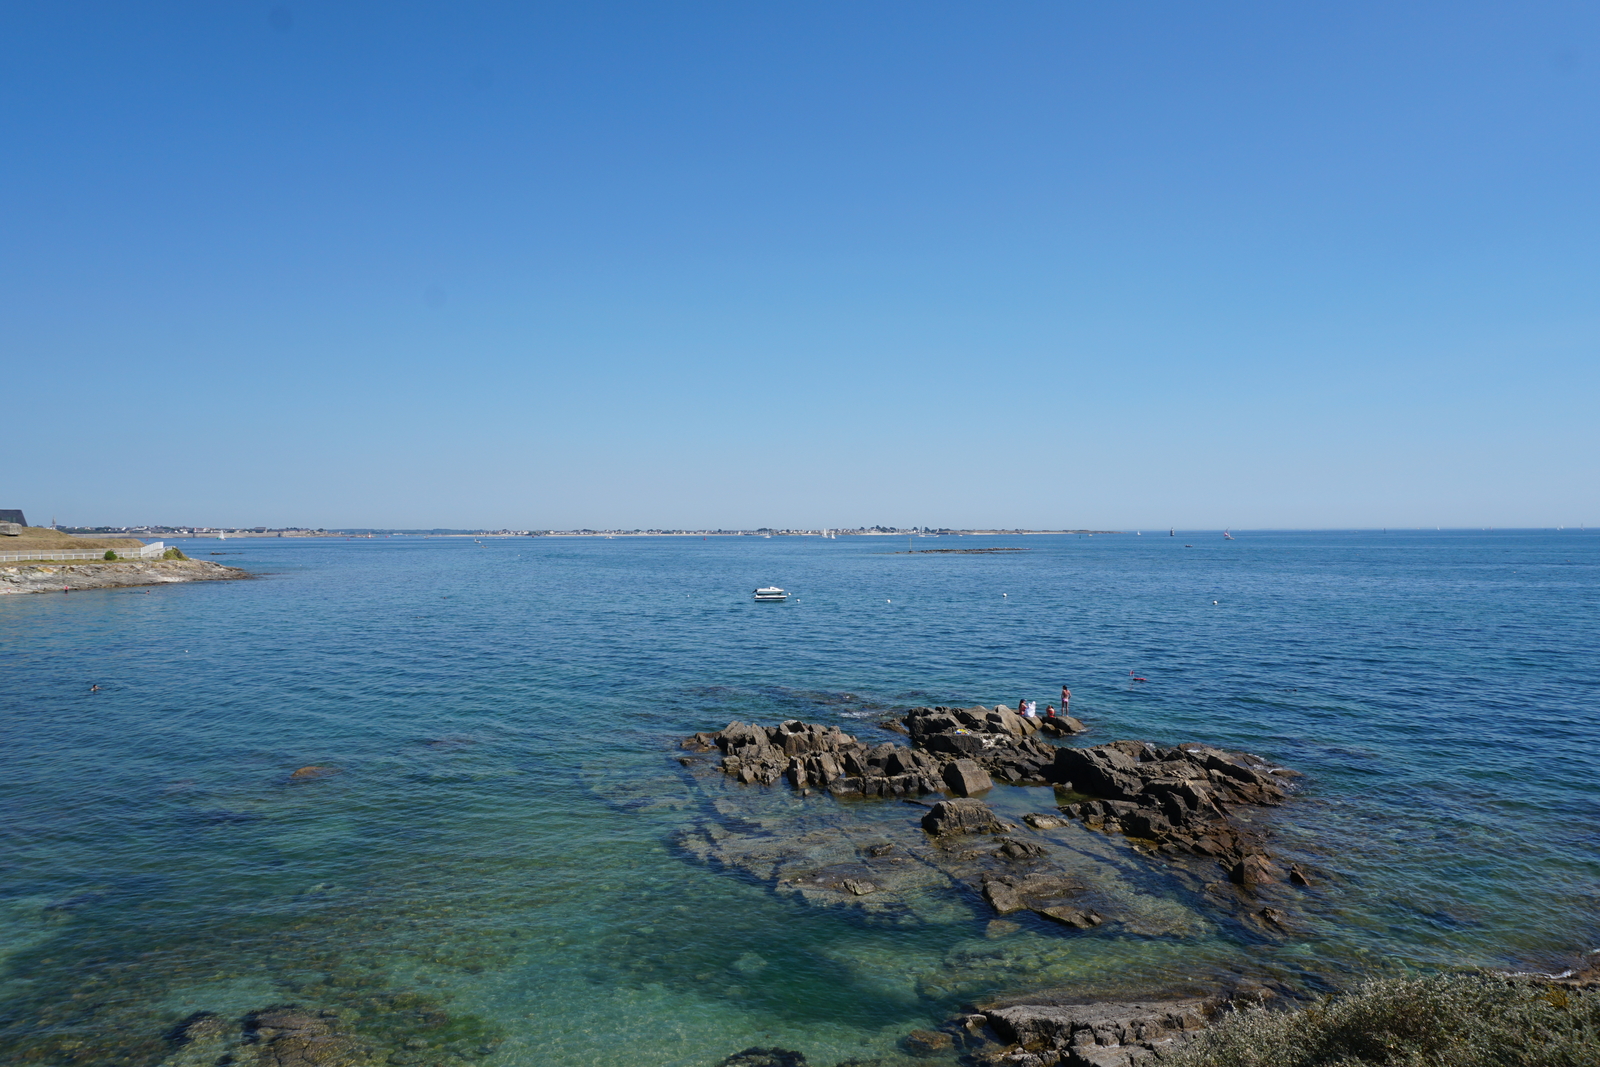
[[1226, 536]]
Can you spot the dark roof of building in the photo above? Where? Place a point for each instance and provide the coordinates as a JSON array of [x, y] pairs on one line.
[[12, 515]]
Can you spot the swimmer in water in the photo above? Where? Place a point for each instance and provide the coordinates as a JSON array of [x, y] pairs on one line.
[[94, 689]]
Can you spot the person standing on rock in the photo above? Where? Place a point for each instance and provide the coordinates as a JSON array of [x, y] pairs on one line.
[[1066, 695]]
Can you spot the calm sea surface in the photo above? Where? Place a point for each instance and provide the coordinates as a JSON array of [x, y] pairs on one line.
[[499, 718]]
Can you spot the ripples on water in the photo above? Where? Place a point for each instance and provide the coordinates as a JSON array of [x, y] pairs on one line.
[[492, 860]]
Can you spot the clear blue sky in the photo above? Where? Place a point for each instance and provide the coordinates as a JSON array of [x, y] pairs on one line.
[[744, 264]]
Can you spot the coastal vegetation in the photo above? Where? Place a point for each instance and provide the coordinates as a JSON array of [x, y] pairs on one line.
[[46, 539], [1442, 1021]]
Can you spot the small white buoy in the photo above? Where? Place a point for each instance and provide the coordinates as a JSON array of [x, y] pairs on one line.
[[886, 600], [1213, 601], [1004, 594]]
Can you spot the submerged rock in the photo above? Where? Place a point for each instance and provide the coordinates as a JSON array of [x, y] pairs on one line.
[[288, 1037], [926, 1042], [765, 1057], [1177, 802]]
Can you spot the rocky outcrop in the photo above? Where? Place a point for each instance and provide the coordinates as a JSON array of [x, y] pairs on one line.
[[962, 750], [1010, 747], [820, 757], [1178, 798], [1177, 802], [1093, 1035], [54, 577]]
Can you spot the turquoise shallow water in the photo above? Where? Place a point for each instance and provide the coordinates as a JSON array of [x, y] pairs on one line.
[[498, 846]]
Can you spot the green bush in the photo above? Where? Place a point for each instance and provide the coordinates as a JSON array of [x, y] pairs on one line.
[[110, 554], [173, 553], [1446, 1021]]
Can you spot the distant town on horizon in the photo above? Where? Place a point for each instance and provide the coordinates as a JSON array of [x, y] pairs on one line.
[[763, 531]]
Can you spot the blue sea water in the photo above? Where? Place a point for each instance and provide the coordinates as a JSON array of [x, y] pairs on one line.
[[494, 839]]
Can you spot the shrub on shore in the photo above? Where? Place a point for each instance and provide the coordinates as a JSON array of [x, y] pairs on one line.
[[173, 553], [1445, 1021], [110, 554]]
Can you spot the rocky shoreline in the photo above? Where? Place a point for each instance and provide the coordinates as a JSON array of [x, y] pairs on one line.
[[46, 577], [1183, 810]]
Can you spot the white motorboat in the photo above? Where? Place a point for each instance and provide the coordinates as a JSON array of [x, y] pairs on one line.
[[771, 592]]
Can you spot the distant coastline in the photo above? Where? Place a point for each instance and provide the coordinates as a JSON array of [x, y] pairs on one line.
[[202, 533]]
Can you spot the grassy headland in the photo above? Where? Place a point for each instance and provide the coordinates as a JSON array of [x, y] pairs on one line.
[[1442, 1021]]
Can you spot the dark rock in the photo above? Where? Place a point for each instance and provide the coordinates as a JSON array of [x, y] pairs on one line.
[[1151, 825], [1299, 877], [1038, 891], [965, 816], [765, 1057], [1254, 869], [1018, 851], [1003, 896], [956, 744], [924, 1042], [820, 757], [1178, 798], [964, 777]]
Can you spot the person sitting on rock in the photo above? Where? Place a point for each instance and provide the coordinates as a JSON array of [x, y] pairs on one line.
[[1049, 711]]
